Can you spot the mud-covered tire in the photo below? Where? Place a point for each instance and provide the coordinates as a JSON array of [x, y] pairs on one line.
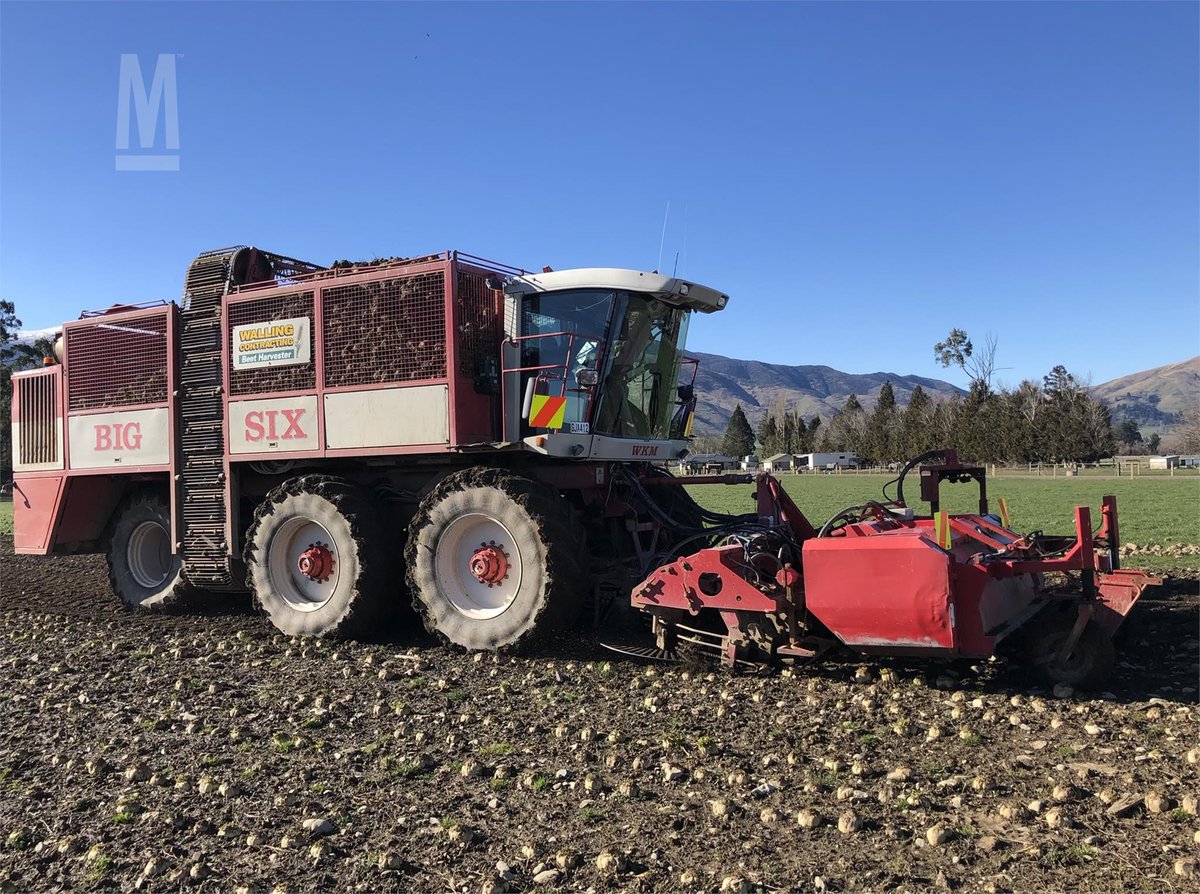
[[330, 514], [141, 569], [540, 544], [1086, 667]]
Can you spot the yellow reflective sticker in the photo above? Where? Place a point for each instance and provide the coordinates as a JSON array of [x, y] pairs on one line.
[[942, 527]]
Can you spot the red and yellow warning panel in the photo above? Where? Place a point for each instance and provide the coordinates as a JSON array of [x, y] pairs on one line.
[[547, 411]]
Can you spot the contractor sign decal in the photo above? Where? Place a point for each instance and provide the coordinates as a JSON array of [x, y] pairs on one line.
[[274, 343]]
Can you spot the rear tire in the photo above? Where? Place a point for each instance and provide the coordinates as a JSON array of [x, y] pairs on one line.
[[143, 572], [334, 527], [495, 560]]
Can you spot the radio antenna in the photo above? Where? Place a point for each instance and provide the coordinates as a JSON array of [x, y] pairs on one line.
[[685, 216], [662, 240]]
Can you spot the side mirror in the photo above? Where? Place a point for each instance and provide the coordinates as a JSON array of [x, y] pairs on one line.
[[587, 377]]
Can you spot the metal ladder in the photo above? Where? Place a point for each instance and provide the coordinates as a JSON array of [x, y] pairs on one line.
[[200, 496]]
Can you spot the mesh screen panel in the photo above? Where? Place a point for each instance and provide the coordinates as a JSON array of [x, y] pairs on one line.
[[385, 331], [117, 364], [38, 397], [479, 320], [297, 376]]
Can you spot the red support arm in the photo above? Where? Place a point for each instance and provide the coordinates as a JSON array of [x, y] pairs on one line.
[[775, 504]]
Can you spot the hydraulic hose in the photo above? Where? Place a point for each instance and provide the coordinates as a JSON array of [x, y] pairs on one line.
[[856, 512], [908, 467]]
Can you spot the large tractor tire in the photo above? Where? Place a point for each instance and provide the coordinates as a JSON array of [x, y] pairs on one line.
[[496, 560], [316, 558], [141, 568], [1086, 666]]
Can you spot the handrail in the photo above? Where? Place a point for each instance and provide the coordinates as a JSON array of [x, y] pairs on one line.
[[124, 308]]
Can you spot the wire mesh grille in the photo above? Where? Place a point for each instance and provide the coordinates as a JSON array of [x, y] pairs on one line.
[[38, 399], [117, 364], [385, 331], [479, 322], [295, 377]]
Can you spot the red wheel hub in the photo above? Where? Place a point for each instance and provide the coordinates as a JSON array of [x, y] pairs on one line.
[[489, 564], [316, 562]]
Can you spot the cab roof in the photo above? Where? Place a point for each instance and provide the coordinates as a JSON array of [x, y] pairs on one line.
[[670, 289]]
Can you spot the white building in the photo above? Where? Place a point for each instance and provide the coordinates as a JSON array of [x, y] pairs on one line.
[[780, 462], [1175, 461], [817, 461], [709, 464]]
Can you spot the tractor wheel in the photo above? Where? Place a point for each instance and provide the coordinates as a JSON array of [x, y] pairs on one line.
[[1087, 665], [495, 559], [316, 559], [143, 572]]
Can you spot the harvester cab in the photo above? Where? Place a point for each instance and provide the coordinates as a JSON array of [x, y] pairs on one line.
[[593, 363]]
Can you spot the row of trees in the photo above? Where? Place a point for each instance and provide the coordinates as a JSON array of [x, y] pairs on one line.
[[1056, 420], [786, 432]]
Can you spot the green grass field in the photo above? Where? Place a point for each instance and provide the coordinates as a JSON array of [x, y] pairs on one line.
[[6, 516], [1160, 510]]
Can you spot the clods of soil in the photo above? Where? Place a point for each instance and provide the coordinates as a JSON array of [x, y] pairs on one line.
[[206, 752]]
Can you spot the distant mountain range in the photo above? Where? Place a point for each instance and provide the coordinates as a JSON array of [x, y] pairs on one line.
[[723, 382], [1154, 398]]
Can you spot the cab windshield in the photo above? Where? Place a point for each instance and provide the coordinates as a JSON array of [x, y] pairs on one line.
[[628, 344], [637, 396], [563, 334]]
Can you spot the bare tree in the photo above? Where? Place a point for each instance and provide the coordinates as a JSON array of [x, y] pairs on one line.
[[958, 350], [1186, 437]]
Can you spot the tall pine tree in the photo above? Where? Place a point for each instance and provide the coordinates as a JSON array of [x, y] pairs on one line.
[[914, 424], [768, 435], [881, 430], [789, 433], [739, 436]]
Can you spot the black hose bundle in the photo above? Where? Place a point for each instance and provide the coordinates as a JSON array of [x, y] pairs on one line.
[[908, 467], [852, 514]]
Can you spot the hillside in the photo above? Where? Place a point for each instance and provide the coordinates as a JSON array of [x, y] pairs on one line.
[[1154, 398], [813, 390]]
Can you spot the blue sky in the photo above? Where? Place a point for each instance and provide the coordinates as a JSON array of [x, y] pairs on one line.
[[858, 177]]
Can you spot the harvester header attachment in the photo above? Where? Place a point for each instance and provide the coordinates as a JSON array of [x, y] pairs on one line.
[[882, 579]]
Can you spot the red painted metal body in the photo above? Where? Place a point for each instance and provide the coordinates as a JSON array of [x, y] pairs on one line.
[[882, 584], [111, 417], [892, 592], [459, 318], [107, 418]]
